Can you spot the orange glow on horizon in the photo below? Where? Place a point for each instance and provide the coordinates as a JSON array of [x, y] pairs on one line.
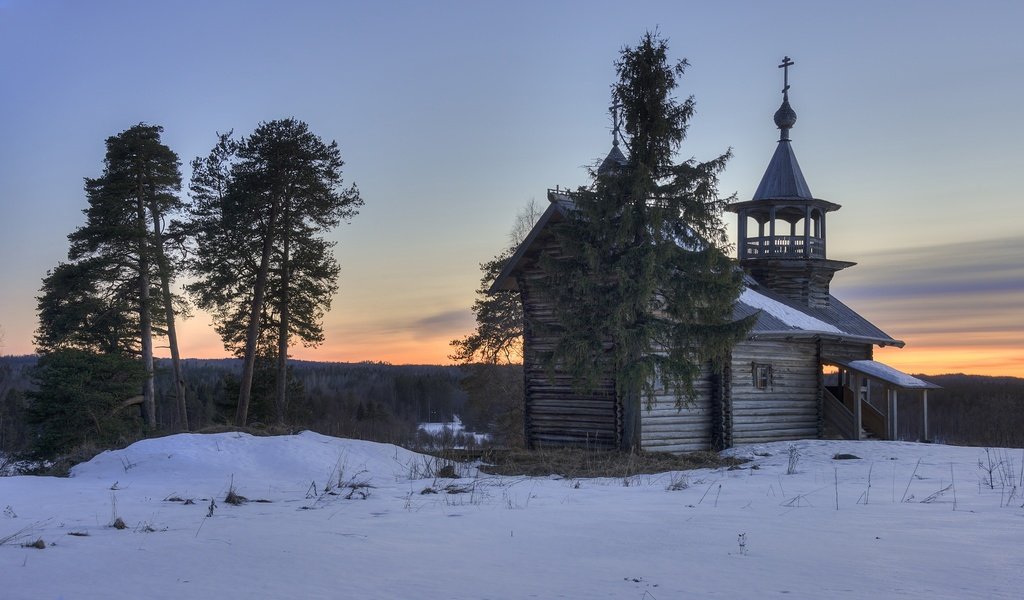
[[978, 360], [975, 351], [918, 357], [942, 360], [199, 340]]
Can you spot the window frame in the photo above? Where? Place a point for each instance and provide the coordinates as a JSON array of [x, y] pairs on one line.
[[762, 376]]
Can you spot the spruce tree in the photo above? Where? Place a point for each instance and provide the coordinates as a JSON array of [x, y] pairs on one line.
[[643, 289], [81, 398]]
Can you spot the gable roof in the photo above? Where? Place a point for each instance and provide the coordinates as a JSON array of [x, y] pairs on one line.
[[561, 203], [777, 316]]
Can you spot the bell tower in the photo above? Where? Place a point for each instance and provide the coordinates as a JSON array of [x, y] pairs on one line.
[[781, 230]]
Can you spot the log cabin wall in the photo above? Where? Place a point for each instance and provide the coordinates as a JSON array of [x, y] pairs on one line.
[[803, 281], [665, 427], [556, 414], [774, 391], [846, 350]]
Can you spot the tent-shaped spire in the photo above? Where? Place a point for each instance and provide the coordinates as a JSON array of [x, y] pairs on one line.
[[614, 160], [783, 177]]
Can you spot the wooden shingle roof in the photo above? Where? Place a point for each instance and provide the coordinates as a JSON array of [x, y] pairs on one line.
[[783, 178], [778, 316]]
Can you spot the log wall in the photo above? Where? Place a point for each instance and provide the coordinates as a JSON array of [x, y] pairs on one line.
[[556, 414], [846, 351], [666, 428], [729, 408], [790, 407]]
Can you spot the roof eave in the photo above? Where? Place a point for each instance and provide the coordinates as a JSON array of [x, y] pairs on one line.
[[816, 202], [506, 281], [827, 336]]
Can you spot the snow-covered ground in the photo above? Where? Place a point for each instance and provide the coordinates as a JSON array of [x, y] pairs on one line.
[[451, 429], [755, 532]]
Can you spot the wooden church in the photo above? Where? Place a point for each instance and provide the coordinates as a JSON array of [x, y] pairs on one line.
[[804, 371]]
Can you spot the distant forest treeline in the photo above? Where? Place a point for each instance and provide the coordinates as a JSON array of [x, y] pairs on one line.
[[973, 410], [373, 401], [385, 402]]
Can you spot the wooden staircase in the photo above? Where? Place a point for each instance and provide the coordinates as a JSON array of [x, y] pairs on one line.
[[839, 416]]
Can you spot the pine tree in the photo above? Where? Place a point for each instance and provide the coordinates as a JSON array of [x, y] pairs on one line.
[[644, 289], [83, 305], [123, 238], [103, 299], [260, 204]]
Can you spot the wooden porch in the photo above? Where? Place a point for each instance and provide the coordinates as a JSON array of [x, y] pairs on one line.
[[863, 400]]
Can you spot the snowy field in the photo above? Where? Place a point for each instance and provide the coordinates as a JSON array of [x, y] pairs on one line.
[[333, 518]]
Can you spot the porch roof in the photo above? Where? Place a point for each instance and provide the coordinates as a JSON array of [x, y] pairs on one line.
[[883, 372]]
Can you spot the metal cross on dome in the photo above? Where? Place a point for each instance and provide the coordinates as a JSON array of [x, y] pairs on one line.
[[786, 64], [614, 109]]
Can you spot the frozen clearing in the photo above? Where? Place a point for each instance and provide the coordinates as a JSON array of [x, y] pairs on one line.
[[509, 537]]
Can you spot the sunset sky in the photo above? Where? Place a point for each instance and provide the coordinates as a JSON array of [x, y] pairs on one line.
[[453, 115]]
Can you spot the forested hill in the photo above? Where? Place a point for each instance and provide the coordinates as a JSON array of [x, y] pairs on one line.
[[385, 402], [375, 401], [333, 398], [977, 410]]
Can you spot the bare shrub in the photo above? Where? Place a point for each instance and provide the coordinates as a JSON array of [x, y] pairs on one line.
[[794, 459], [233, 497], [677, 482]]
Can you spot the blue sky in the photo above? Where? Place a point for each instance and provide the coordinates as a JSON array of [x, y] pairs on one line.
[[452, 115]]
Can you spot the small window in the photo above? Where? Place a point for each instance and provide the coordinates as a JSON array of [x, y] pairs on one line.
[[762, 376]]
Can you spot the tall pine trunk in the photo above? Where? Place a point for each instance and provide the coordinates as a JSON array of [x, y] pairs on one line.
[[145, 319], [280, 398], [172, 334], [255, 311]]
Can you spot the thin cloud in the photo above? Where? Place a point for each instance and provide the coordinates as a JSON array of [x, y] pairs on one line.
[[449, 322], [959, 306]]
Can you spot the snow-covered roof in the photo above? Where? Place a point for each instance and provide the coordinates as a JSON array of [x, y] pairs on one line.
[[882, 371], [778, 315], [788, 315]]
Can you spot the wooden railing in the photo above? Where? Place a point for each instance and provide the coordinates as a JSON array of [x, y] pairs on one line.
[[785, 246], [873, 420], [838, 416], [838, 413]]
